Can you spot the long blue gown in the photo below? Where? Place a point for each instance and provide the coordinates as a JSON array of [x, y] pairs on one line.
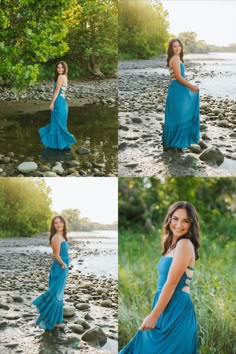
[[50, 303], [182, 117], [176, 329], [55, 135]]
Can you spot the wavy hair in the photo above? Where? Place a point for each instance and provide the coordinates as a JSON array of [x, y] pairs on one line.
[[170, 52], [53, 230], [65, 67], [193, 233]]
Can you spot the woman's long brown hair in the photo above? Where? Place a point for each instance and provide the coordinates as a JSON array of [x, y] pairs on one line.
[[65, 67], [170, 52], [193, 233], [53, 230]]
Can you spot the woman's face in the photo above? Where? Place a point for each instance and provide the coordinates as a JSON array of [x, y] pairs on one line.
[[176, 47], [59, 225], [60, 69], [180, 223]]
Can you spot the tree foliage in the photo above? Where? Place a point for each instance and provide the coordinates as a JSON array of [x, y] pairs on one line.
[[35, 34], [143, 29], [32, 32], [144, 202], [92, 37], [24, 206]]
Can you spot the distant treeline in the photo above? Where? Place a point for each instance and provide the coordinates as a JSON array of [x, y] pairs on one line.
[[35, 34], [76, 223], [144, 32]]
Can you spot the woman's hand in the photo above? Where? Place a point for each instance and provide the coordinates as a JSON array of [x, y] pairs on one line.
[[149, 322], [64, 266], [194, 88], [51, 106]]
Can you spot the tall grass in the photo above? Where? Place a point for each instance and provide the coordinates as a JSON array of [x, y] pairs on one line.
[[212, 290]]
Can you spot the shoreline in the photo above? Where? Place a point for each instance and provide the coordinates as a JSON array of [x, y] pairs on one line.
[[89, 301], [142, 93]]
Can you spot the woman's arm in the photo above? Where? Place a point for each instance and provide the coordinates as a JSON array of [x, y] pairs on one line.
[[59, 83], [183, 254], [56, 243], [175, 65]]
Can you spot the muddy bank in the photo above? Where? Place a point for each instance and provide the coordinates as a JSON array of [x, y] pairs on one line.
[[90, 302], [143, 86]]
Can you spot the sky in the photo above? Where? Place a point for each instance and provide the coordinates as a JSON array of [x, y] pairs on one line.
[[212, 20], [96, 198]]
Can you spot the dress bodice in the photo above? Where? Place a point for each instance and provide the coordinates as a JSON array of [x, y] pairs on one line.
[[163, 269], [62, 91], [182, 72], [64, 251]]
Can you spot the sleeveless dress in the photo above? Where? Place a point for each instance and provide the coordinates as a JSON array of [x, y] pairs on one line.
[[50, 303], [176, 329], [182, 117], [55, 135]]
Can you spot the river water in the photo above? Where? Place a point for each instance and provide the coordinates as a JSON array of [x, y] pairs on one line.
[[217, 73]]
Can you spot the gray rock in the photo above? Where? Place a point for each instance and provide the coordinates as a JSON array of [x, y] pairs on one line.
[[218, 110], [4, 306], [5, 159], [17, 298], [83, 323], [68, 311], [82, 306], [83, 151], [195, 148], [72, 163], [106, 303], [202, 144], [27, 167], [58, 169], [212, 154], [41, 287], [102, 290], [223, 123], [77, 328], [95, 336], [190, 161], [50, 174], [11, 315], [137, 120], [3, 324]]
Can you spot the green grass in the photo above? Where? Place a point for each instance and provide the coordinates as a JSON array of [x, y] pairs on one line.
[[212, 290]]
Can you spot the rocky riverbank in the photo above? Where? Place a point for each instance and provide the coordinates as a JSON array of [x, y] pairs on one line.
[[143, 86], [91, 156], [90, 302]]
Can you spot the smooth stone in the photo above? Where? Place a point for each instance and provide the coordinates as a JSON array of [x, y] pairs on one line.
[[212, 154], [106, 303], [195, 148], [83, 151], [83, 323], [68, 311], [202, 144], [27, 167], [218, 110], [11, 315], [58, 169], [223, 123], [82, 306], [122, 145], [3, 324], [5, 159], [17, 298], [137, 120], [50, 174], [4, 306], [101, 290], [131, 164], [77, 328], [72, 163], [41, 287], [95, 335]]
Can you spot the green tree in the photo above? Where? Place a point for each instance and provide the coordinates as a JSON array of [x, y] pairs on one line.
[[25, 206], [143, 29], [71, 215], [92, 37], [31, 33]]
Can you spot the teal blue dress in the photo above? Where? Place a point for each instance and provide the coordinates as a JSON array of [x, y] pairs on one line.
[[182, 117], [50, 303], [176, 329], [56, 135]]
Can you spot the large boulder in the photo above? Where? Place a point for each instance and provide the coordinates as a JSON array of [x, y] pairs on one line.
[[212, 154], [95, 336]]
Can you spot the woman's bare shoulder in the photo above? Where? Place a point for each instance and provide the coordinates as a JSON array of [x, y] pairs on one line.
[[174, 60], [185, 244]]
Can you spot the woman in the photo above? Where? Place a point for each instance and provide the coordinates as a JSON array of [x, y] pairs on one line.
[[50, 303], [182, 118], [55, 135], [171, 327]]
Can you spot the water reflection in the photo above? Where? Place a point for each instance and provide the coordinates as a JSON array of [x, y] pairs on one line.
[[53, 155]]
